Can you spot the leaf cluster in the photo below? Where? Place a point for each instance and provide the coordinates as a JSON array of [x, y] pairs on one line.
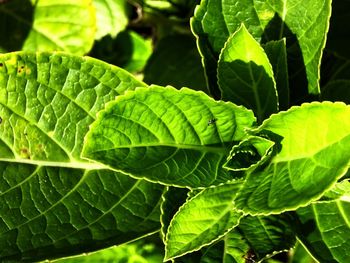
[[215, 130]]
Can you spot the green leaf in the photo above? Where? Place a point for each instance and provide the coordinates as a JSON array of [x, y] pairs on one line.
[[249, 153], [49, 212], [277, 54], [215, 20], [245, 75], [176, 62], [181, 136], [59, 25], [111, 17], [324, 229], [268, 235], [48, 101], [202, 220], [312, 154]]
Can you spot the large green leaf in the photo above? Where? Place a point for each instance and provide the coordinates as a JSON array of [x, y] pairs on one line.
[[48, 101], [111, 17], [177, 137], [215, 20], [48, 212], [311, 154], [324, 229], [202, 220], [245, 75], [176, 62]]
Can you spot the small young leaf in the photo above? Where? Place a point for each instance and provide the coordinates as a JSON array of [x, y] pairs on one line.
[[249, 153], [245, 75], [202, 220], [176, 137], [313, 154]]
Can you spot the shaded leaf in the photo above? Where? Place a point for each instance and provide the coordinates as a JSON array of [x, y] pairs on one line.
[[214, 21], [268, 235], [181, 136], [128, 50], [277, 54], [249, 153], [176, 62], [337, 90], [232, 248], [173, 198]]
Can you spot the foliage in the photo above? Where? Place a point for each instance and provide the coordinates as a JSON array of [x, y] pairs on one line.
[[219, 126]]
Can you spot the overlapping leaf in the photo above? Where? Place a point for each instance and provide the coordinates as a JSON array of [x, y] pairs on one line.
[[312, 143], [245, 75], [178, 137], [214, 21]]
